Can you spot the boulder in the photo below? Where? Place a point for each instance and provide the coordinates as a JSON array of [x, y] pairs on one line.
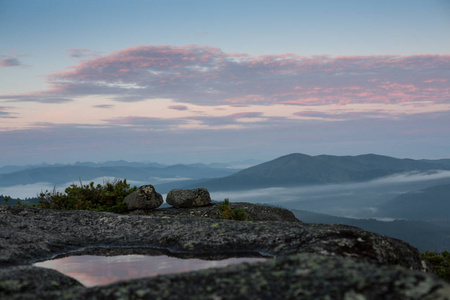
[[145, 197], [188, 198]]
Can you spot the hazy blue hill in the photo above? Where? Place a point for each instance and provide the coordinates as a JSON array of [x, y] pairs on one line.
[[12, 168], [192, 172], [14, 201], [300, 169], [119, 163], [432, 203], [54, 175], [441, 162], [66, 174], [422, 235], [166, 187], [379, 163]]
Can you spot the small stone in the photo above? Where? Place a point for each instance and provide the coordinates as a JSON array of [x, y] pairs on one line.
[[188, 198], [144, 197]]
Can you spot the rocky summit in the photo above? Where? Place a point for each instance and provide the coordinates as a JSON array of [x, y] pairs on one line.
[[306, 261]]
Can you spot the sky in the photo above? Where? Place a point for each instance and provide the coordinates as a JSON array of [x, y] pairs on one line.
[[175, 81]]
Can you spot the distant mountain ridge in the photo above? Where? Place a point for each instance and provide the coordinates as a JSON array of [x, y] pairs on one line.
[[432, 203], [420, 234], [301, 169], [289, 170], [13, 168], [73, 173]]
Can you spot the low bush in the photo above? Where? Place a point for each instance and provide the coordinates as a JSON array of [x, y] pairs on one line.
[[106, 197], [229, 213], [440, 262], [5, 199]]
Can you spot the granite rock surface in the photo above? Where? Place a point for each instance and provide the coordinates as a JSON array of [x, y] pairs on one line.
[[255, 212], [309, 261], [145, 197], [188, 198]]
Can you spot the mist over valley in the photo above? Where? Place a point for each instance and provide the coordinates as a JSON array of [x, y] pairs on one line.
[[353, 200]]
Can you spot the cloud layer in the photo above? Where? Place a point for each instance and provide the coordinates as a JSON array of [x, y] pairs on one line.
[[208, 76], [201, 100]]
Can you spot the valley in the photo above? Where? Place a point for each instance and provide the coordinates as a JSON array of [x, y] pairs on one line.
[[403, 198]]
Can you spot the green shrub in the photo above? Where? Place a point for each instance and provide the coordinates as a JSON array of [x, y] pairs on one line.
[[440, 262], [6, 199], [229, 213], [106, 197]]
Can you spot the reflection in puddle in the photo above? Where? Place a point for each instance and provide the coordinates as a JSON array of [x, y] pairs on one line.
[[93, 270]]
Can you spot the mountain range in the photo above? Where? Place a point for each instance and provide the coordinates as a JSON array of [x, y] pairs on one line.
[[290, 170], [414, 192], [300, 169], [146, 174]]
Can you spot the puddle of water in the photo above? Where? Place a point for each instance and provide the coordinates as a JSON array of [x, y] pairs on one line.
[[91, 270]]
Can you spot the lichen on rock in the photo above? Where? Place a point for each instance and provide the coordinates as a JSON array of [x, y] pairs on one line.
[[309, 261], [186, 198], [145, 197]]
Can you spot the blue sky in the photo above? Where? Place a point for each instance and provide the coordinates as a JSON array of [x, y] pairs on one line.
[[202, 81]]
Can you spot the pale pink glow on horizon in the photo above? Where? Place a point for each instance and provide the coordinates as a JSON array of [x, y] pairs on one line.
[[32, 115], [435, 80]]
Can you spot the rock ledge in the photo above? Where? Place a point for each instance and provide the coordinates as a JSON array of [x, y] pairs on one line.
[[311, 261]]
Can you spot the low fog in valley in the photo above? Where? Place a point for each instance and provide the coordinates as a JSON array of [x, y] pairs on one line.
[[353, 200]]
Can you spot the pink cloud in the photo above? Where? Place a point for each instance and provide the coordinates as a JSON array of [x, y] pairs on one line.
[[54, 95], [209, 76], [108, 106], [9, 62], [246, 99], [178, 107], [154, 123], [4, 113], [245, 115], [340, 115], [239, 105], [435, 80]]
